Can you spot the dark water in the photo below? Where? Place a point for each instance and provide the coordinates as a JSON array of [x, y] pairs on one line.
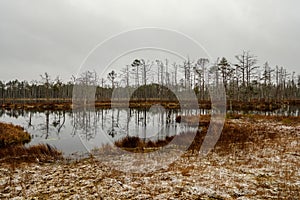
[[78, 132]]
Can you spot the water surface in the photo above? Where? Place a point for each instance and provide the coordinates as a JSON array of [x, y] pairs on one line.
[[79, 132]]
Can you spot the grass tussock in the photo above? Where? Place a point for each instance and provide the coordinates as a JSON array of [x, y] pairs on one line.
[[12, 135], [36, 153], [136, 144]]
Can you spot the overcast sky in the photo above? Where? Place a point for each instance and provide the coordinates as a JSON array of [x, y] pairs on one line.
[[54, 36]]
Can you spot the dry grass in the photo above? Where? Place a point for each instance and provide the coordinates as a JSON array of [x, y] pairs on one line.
[[287, 120], [241, 134], [20, 153], [135, 144], [256, 157], [12, 135], [12, 149]]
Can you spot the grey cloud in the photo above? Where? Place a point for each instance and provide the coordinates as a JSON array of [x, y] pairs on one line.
[[55, 36]]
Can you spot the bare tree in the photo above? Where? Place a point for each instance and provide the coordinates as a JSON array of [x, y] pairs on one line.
[[125, 74], [146, 68], [247, 66], [201, 71], [85, 90], [46, 80], [175, 74]]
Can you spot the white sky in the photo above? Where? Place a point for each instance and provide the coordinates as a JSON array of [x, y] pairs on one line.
[[55, 36]]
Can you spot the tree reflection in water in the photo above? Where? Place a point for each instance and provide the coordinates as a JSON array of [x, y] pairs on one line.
[[104, 125]]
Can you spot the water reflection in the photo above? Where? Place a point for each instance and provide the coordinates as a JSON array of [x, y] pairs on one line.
[[76, 131], [108, 125], [68, 130]]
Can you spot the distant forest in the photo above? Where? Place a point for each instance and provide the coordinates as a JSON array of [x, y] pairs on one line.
[[243, 78]]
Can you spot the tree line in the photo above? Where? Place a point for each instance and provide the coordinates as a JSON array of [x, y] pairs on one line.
[[243, 79]]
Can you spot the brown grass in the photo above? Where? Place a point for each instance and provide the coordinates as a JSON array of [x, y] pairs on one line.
[[12, 135], [232, 133], [287, 120], [238, 134], [36, 153], [12, 149], [66, 104], [135, 144]]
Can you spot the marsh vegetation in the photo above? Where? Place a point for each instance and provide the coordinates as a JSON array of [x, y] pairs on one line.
[[143, 108]]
